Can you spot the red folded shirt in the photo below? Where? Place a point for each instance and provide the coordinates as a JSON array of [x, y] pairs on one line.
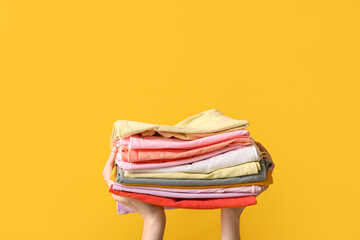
[[189, 203]]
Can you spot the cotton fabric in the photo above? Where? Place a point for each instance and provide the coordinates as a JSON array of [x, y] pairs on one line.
[[260, 176], [206, 123], [233, 171], [183, 195], [206, 161], [268, 180], [126, 166], [231, 158], [189, 203], [243, 189], [142, 155], [157, 142]]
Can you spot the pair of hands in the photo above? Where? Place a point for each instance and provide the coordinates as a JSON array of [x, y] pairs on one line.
[[148, 210]]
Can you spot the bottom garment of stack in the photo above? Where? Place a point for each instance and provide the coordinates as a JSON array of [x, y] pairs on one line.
[[236, 189]]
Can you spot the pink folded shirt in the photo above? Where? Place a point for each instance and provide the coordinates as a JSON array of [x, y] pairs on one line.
[[243, 189], [212, 203], [157, 142], [153, 165], [141, 155], [182, 195]]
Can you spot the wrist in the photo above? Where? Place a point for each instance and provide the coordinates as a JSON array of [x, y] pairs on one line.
[[155, 216]]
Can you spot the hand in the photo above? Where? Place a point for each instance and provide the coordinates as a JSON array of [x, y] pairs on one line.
[[267, 156], [154, 216], [230, 217]]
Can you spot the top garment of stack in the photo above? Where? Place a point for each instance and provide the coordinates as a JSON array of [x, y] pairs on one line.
[[207, 161]]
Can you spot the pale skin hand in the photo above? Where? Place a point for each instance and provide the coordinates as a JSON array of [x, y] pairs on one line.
[[267, 157], [154, 216], [230, 217]]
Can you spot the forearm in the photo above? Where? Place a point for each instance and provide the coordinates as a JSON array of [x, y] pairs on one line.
[[230, 223], [154, 227]]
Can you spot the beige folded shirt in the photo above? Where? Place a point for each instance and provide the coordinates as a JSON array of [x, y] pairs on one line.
[[234, 171], [209, 122]]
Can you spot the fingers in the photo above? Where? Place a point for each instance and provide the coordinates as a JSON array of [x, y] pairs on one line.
[[109, 166], [263, 188], [267, 155], [106, 174], [112, 156], [261, 147], [146, 210], [110, 162], [134, 204], [120, 199]]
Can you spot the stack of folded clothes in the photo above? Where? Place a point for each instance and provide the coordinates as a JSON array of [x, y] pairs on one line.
[[207, 161]]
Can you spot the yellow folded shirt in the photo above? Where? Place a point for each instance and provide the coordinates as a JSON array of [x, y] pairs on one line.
[[203, 124], [234, 171]]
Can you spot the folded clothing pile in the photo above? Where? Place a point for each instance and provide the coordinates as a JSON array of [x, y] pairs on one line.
[[207, 161]]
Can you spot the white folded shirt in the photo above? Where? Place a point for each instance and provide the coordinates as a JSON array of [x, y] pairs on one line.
[[246, 154]]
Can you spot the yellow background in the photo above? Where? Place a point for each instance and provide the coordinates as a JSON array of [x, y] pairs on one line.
[[69, 69]]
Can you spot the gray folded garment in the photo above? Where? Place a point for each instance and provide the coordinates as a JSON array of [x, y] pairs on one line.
[[260, 176]]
